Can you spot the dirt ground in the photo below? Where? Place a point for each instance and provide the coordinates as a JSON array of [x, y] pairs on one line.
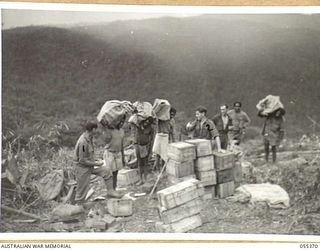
[[302, 182]]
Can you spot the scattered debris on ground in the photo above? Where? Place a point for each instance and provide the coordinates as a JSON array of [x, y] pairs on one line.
[[222, 209]]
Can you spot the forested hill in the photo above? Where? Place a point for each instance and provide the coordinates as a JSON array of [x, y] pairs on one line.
[[61, 73]]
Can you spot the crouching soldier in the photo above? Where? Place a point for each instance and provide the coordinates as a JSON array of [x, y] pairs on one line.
[[87, 165]]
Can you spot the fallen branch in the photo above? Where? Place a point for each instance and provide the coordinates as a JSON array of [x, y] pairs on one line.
[[25, 202], [67, 198], [32, 203], [9, 209]]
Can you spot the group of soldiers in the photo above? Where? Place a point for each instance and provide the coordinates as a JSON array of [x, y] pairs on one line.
[[225, 130]]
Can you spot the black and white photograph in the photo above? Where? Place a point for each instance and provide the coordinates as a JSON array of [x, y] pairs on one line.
[[164, 121]]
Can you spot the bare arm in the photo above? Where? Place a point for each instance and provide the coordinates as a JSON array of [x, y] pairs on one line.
[[214, 134], [218, 142], [246, 120], [152, 135]]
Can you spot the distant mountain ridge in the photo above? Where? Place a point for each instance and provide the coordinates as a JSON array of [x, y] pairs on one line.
[[206, 60]]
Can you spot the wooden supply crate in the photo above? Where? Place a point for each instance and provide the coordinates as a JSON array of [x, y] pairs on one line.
[[178, 213], [128, 177], [204, 163], [209, 192], [180, 193], [180, 226], [174, 180], [120, 207], [223, 160], [203, 146], [225, 175], [180, 169], [181, 151], [207, 178], [225, 189]]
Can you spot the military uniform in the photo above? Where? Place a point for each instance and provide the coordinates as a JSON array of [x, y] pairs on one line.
[[85, 166], [204, 129], [223, 128], [273, 130], [240, 122]]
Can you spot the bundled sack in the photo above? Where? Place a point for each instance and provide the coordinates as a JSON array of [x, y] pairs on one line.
[[12, 171], [67, 212], [51, 185], [161, 109], [274, 195], [269, 104], [143, 110], [113, 112]]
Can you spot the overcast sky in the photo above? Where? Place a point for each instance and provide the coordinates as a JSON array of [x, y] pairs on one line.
[[68, 14], [18, 18]]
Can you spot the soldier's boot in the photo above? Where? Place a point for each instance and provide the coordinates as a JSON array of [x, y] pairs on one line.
[[111, 192]]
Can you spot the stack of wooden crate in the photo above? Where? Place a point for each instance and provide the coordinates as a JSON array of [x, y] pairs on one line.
[[180, 165], [120, 207], [180, 206], [128, 177], [204, 166], [224, 165]]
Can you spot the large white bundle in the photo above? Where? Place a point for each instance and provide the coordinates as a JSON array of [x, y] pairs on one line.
[[274, 195], [112, 112], [269, 104], [161, 109], [144, 110]]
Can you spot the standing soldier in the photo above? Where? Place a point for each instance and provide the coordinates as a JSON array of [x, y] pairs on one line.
[[240, 121], [165, 135], [272, 131], [114, 150], [143, 137], [223, 123], [86, 165], [204, 128]]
